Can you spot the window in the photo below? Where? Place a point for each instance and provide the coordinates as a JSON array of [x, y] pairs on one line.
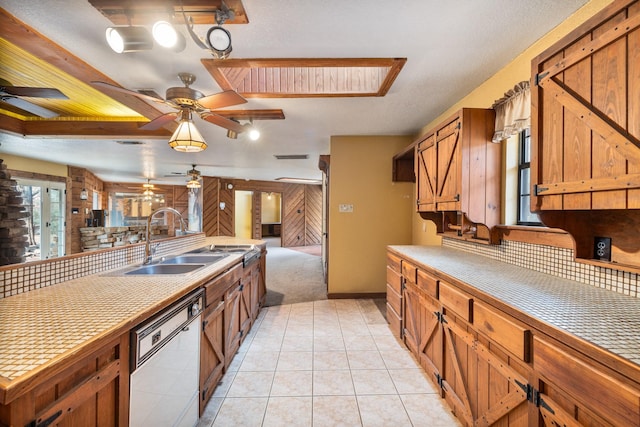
[[45, 202], [525, 217]]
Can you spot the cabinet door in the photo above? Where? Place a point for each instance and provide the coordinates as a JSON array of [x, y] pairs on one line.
[[212, 360], [92, 390], [232, 325], [574, 390], [483, 384], [255, 291], [411, 321], [246, 289], [426, 170], [585, 115], [448, 166]]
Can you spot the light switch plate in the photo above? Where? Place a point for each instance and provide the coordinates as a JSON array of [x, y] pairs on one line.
[[345, 208]]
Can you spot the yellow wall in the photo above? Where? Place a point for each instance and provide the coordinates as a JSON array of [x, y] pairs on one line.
[[31, 165], [494, 88], [242, 214], [271, 208], [360, 175]]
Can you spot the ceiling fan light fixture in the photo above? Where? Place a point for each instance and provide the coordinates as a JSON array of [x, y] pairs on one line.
[[193, 183], [168, 37], [187, 138], [128, 39]]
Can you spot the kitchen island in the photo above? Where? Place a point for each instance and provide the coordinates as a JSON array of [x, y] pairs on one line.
[[509, 344], [62, 344]]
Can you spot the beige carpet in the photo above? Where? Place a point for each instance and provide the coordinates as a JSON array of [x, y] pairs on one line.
[[293, 277]]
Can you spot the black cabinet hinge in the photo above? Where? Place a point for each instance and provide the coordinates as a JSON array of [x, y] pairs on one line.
[[45, 423], [440, 317], [538, 189], [439, 380], [540, 76], [459, 125], [534, 396]]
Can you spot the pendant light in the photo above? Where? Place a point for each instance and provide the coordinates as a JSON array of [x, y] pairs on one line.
[[187, 138]]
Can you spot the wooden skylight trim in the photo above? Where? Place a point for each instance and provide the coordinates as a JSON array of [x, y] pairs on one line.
[[305, 77]]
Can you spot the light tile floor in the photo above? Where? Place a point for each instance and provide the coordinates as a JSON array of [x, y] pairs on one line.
[[324, 363]]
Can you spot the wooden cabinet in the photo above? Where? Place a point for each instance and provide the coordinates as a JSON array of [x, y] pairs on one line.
[[585, 127], [573, 390], [497, 367], [212, 351], [232, 314], [458, 175], [84, 390], [394, 294]]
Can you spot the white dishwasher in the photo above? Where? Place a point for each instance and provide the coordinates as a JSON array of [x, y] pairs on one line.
[[165, 356]]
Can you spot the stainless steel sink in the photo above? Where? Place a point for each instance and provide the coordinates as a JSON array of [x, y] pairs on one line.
[[165, 269], [194, 259]]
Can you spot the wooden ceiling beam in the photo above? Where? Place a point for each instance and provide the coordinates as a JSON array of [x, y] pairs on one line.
[[72, 128], [32, 41]]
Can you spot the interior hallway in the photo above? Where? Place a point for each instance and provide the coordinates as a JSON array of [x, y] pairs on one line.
[[324, 363]]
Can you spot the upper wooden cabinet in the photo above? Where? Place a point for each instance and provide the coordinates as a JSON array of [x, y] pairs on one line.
[[585, 168], [458, 175]]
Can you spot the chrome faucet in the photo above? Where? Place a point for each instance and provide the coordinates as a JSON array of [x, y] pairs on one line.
[[148, 251]]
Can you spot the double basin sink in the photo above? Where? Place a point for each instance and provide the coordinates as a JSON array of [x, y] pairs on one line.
[[180, 264]]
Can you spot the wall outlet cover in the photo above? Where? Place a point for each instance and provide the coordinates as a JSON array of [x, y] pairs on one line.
[[345, 208], [602, 248]]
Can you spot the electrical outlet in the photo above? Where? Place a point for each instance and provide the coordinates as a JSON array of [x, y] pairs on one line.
[[345, 208], [602, 248]]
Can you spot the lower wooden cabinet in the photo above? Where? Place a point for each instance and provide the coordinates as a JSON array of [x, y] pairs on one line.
[[86, 391], [212, 351], [494, 369]]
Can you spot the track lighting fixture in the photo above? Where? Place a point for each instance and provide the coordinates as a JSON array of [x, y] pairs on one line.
[[129, 39], [168, 37]]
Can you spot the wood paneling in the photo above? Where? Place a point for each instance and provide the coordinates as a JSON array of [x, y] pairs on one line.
[[293, 216], [226, 216], [313, 214], [305, 77], [210, 203]]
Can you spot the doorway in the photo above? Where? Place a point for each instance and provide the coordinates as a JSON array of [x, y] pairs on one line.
[[45, 202], [243, 206]]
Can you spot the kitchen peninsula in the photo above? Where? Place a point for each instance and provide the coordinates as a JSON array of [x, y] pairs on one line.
[[65, 348]]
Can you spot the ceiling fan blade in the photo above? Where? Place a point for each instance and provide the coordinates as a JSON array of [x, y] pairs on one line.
[[160, 121], [130, 92], [223, 122], [34, 92], [29, 107], [222, 99]]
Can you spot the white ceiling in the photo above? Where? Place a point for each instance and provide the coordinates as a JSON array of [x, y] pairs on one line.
[[451, 47]]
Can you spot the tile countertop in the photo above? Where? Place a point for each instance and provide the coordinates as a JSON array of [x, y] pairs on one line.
[[605, 318], [39, 327]]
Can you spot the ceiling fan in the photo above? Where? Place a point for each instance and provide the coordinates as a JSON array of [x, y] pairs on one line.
[[13, 95], [187, 100]]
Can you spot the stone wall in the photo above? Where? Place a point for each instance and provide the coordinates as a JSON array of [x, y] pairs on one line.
[[13, 226]]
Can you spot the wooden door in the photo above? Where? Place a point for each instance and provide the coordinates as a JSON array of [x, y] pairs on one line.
[[448, 166], [212, 360], [293, 216], [426, 179]]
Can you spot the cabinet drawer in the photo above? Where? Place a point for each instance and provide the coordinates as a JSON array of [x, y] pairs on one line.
[[606, 396], [457, 301], [503, 331], [393, 262], [394, 320], [394, 279], [394, 299], [428, 283], [409, 271], [215, 288]]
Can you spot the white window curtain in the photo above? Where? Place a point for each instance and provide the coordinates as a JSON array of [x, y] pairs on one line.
[[513, 112]]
